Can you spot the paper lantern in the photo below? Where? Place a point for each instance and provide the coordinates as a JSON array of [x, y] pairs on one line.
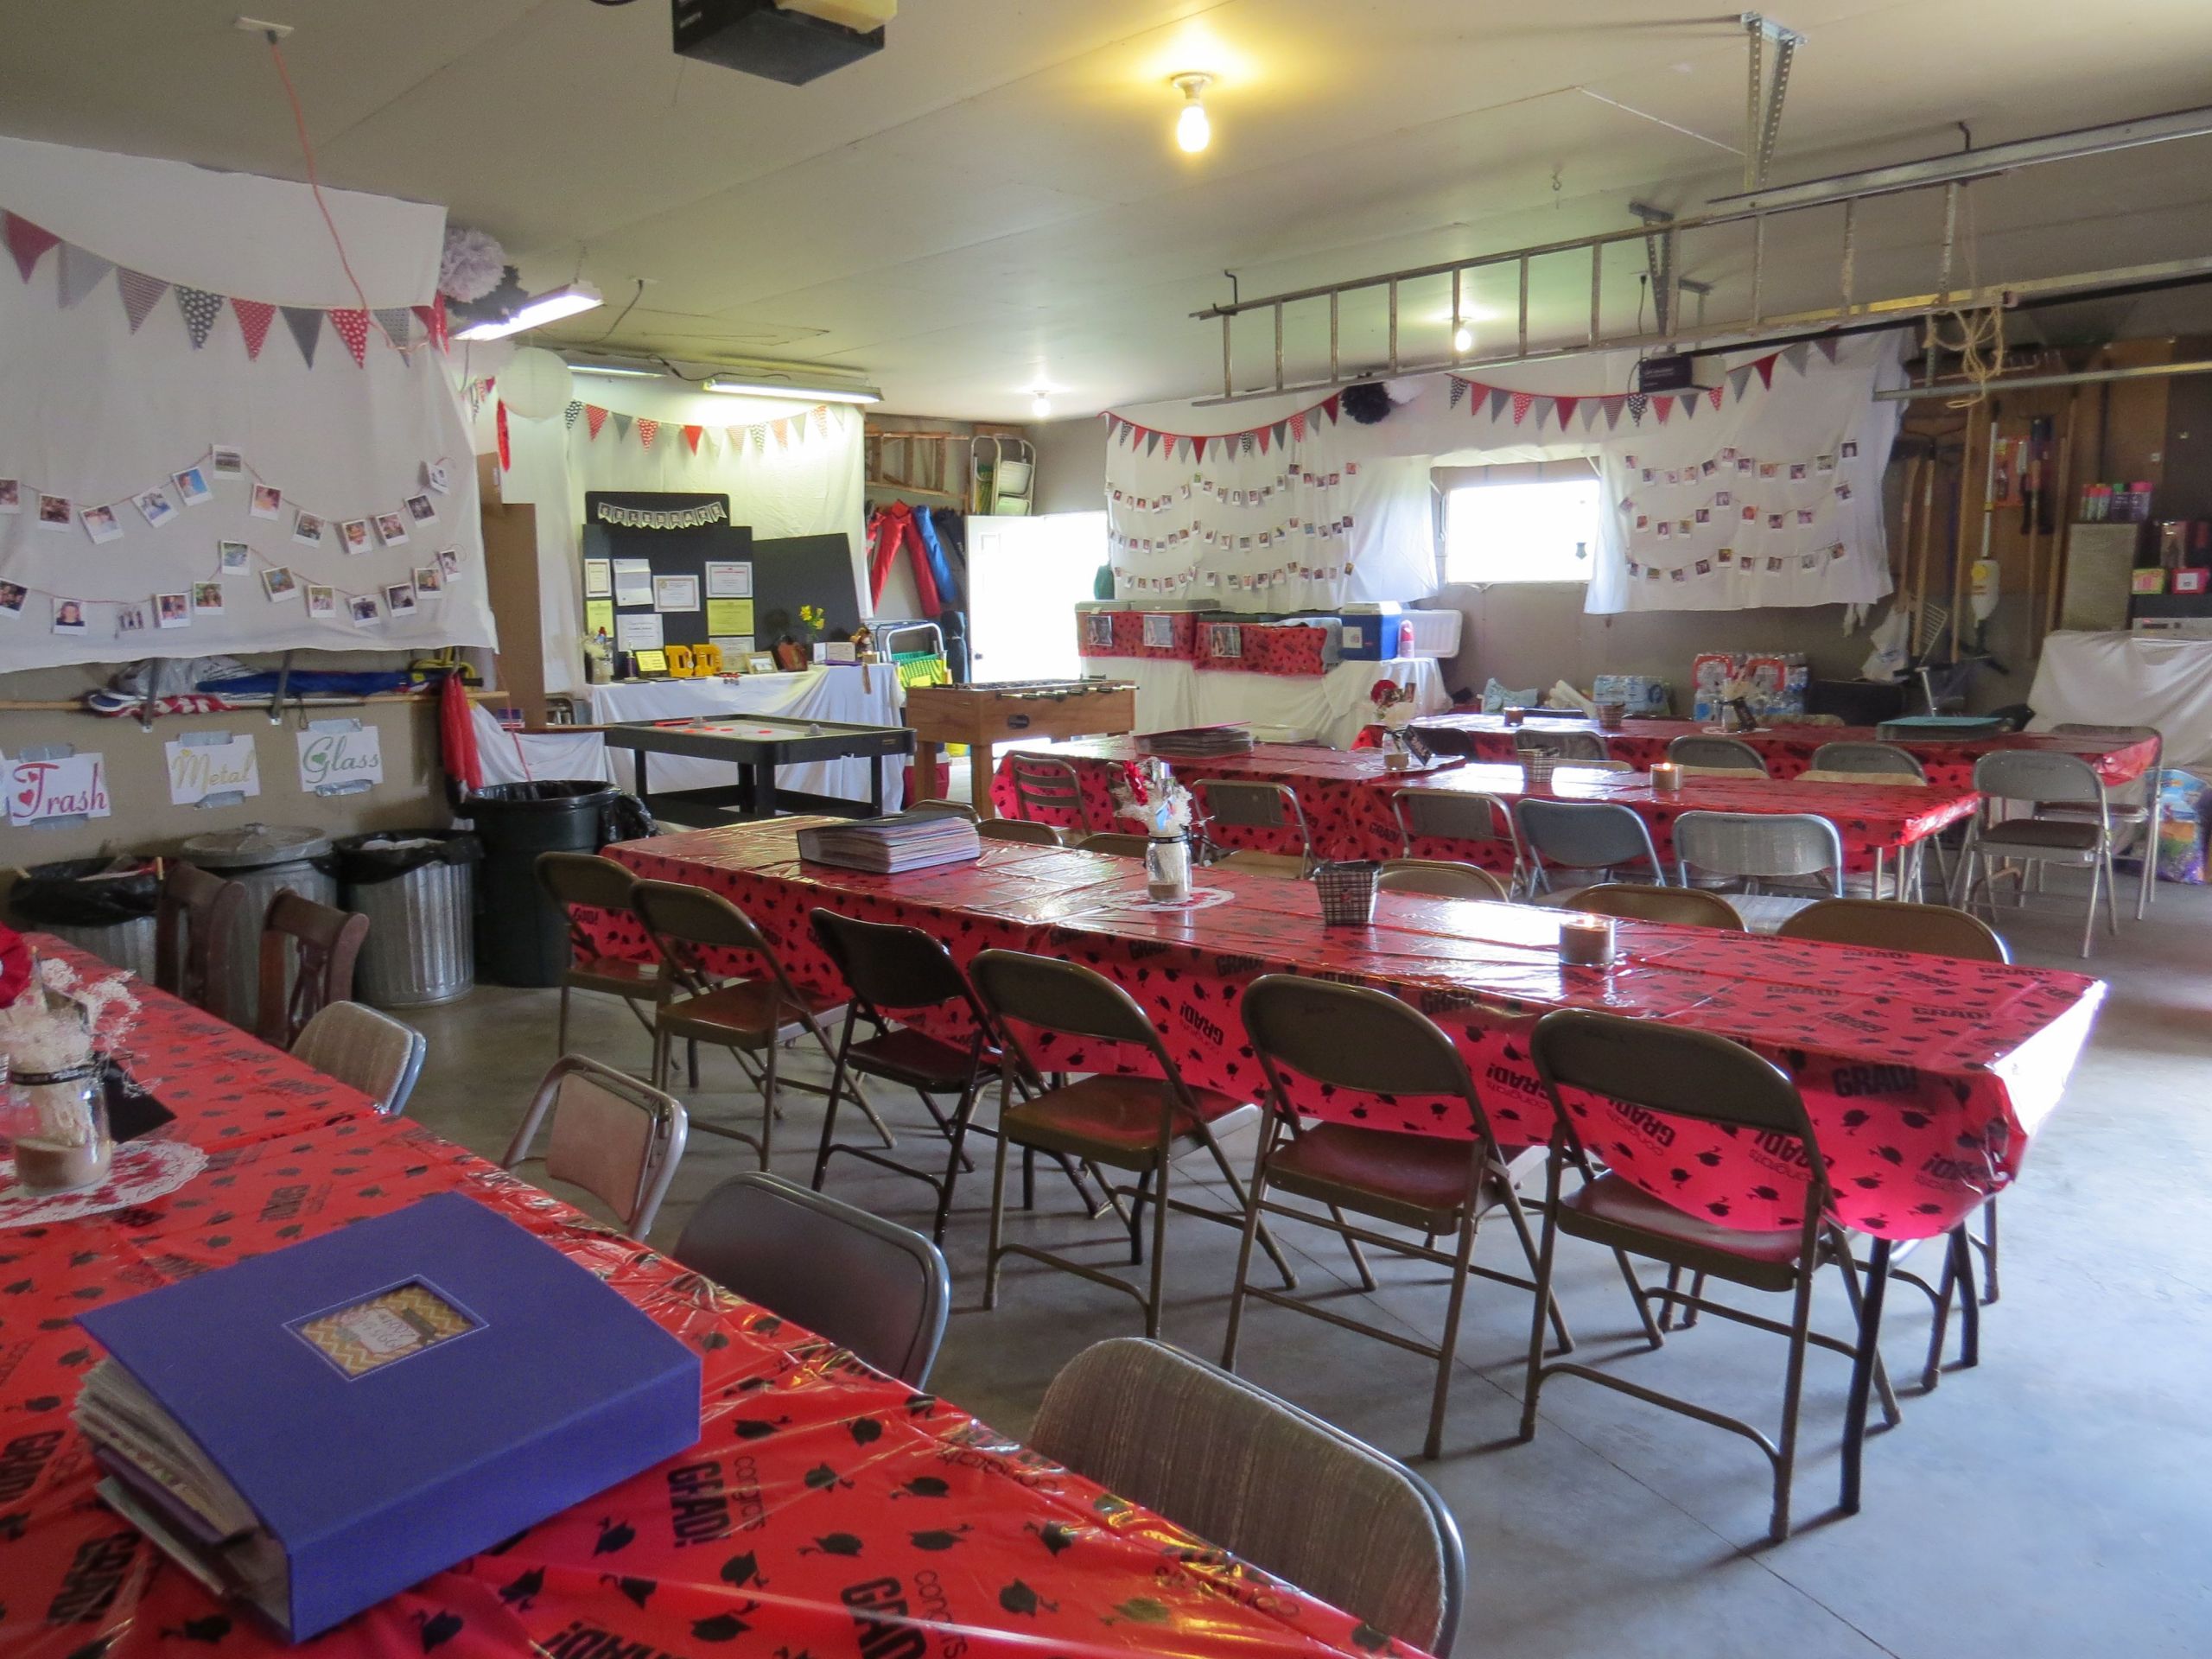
[[536, 384]]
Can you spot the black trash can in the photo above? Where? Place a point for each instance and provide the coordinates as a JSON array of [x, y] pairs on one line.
[[101, 905], [522, 938]]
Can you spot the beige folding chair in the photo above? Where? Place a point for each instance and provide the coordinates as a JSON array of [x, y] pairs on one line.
[[1671, 907], [1572, 744], [2082, 837], [1698, 1076], [1449, 814], [749, 1016], [1138, 1124], [364, 1050], [1441, 878], [1018, 830], [2145, 814], [585, 880], [1716, 755], [1755, 849], [1242, 1470], [1240, 804], [1348, 1037], [613, 1136], [1843, 762], [1044, 785]]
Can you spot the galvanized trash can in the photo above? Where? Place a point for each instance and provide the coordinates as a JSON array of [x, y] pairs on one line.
[[265, 859], [418, 889], [104, 906]]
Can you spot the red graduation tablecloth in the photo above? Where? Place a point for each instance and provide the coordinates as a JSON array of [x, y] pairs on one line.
[[1925, 1077], [1948, 762], [825, 1511]]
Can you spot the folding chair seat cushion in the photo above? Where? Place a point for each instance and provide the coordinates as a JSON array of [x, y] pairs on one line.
[[1613, 1200], [1416, 1172], [1119, 1112], [749, 1006]]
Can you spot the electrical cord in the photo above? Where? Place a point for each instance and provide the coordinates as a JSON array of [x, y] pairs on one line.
[[307, 153]]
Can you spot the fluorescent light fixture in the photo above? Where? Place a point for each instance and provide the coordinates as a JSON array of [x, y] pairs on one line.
[[1193, 130], [629, 370], [537, 312], [739, 385]]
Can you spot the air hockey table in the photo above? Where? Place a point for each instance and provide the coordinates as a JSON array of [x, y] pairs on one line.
[[756, 745]]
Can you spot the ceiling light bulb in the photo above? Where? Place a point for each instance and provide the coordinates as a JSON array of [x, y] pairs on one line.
[[1463, 339], [1193, 131], [1040, 407]]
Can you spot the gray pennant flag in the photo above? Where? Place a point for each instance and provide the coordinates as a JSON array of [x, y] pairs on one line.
[[1498, 399], [1151, 442], [1689, 402], [81, 271], [140, 294], [1612, 413], [1739, 379], [1828, 343], [200, 309], [397, 321], [306, 323], [1590, 407], [1796, 357], [621, 426]]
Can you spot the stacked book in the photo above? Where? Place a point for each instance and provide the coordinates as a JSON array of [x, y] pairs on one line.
[[1197, 742], [906, 841]]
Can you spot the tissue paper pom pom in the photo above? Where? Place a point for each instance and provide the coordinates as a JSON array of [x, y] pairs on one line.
[[471, 265], [1404, 389], [1367, 402]]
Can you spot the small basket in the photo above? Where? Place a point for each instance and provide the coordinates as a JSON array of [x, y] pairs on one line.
[[1537, 767], [1347, 891]]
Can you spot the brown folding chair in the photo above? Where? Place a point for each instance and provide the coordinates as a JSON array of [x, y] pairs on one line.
[[612, 1135], [1695, 1076], [1240, 804], [1674, 907], [1442, 878], [958, 809], [1139, 1124], [307, 962], [1018, 830], [1041, 784], [587, 881], [196, 923], [1115, 842], [1355, 1039], [749, 1016], [1460, 817]]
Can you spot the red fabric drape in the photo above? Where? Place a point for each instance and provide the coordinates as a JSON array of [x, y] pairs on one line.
[[892, 528], [457, 734]]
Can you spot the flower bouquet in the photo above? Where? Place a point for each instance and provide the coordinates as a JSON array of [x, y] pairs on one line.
[[1148, 791]]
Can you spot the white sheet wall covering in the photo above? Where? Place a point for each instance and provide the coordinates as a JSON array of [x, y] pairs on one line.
[[1332, 707], [2122, 679], [96, 412]]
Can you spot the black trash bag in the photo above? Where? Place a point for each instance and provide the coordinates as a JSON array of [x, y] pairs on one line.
[[361, 862], [77, 892], [628, 819], [541, 789]]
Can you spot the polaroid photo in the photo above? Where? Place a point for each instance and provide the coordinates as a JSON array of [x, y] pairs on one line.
[[172, 611], [430, 582], [55, 512], [207, 598], [422, 509], [131, 618], [1850, 450], [1824, 463], [227, 460], [399, 599], [438, 475], [1804, 515], [391, 528], [1774, 521], [11, 496], [322, 601], [1797, 470], [449, 562], [307, 530], [156, 506], [13, 596], [69, 616], [279, 583], [101, 525], [268, 502], [233, 558], [354, 537], [363, 608], [192, 486]]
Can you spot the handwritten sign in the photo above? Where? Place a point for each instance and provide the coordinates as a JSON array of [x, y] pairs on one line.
[[200, 770], [341, 761], [74, 788]]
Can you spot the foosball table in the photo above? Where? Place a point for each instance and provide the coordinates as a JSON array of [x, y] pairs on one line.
[[1028, 710]]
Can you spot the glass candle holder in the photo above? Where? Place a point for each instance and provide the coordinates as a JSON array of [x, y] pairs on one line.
[[1167, 869], [1587, 941], [56, 1123], [1667, 778]]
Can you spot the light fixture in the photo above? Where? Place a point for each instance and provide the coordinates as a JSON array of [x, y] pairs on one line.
[[1193, 131], [1463, 339], [538, 311], [627, 369], [1040, 407], [738, 386]]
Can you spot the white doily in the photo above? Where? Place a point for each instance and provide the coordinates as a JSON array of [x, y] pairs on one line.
[[1200, 898], [142, 1170]]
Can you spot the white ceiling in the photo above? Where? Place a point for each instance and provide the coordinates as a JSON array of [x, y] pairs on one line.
[[994, 202]]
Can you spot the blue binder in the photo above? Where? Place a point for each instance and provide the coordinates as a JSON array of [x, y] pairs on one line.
[[373, 1463]]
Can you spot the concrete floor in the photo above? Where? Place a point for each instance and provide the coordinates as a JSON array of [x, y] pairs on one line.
[[2056, 1501]]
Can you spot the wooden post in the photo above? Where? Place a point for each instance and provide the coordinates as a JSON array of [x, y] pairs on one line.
[[2047, 616], [1959, 537]]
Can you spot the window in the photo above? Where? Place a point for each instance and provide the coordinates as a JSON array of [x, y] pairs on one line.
[[1541, 531]]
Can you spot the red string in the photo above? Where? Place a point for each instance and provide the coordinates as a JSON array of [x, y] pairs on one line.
[[307, 153]]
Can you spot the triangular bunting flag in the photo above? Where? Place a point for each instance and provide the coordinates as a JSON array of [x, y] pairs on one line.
[[140, 293], [1714, 394], [1522, 400], [1283, 433], [26, 241], [1264, 434], [759, 437], [1330, 406], [306, 323], [1298, 426], [622, 425], [398, 322], [1566, 407], [254, 318], [1796, 357], [353, 327], [647, 431], [1197, 449], [1636, 403], [1689, 405], [1739, 379], [200, 309], [1766, 366], [1151, 442], [783, 430], [569, 415], [1612, 408], [1829, 346], [1247, 442], [595, 417], [1663, 408], [433, 319], [1498, 399], [821, 419], [1458, 391], [1591, 407], [692, 435], [81, 271]]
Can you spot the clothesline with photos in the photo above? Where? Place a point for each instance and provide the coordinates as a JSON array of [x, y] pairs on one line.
[[195, 487], [1496, 401], [785, 430], [79, 271]]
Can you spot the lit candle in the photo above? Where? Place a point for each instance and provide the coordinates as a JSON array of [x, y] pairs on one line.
[[1665, 776], [1586, 941]]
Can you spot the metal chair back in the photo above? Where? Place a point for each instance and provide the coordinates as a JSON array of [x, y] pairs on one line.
[[1672, 906], [1759, 846], [876, 1289], [312, 947], [586, 879], [364, 1050], [1868, 760], [1716, 754], [2036, 775], [1443, 878], [683, 920], [1240, 1468], [1586, 836], [892, 969], [196, 919], [1242, 804], [1448, 813], [1047, 785], [1115, 842], [958, 809], [1054, 996], [1026, 831], [1570, 745], [617, 1138], [1924, 930], [1353, 1037]]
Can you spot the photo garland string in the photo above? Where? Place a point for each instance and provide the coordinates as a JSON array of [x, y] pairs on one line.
[[1231, 496], [1752, 516], [642, 518], [78, 271], [194, 485]]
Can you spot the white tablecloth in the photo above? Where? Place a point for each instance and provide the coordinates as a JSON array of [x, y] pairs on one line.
[[2124, 679], [1331, 707], [831, 694], [526, 757]]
